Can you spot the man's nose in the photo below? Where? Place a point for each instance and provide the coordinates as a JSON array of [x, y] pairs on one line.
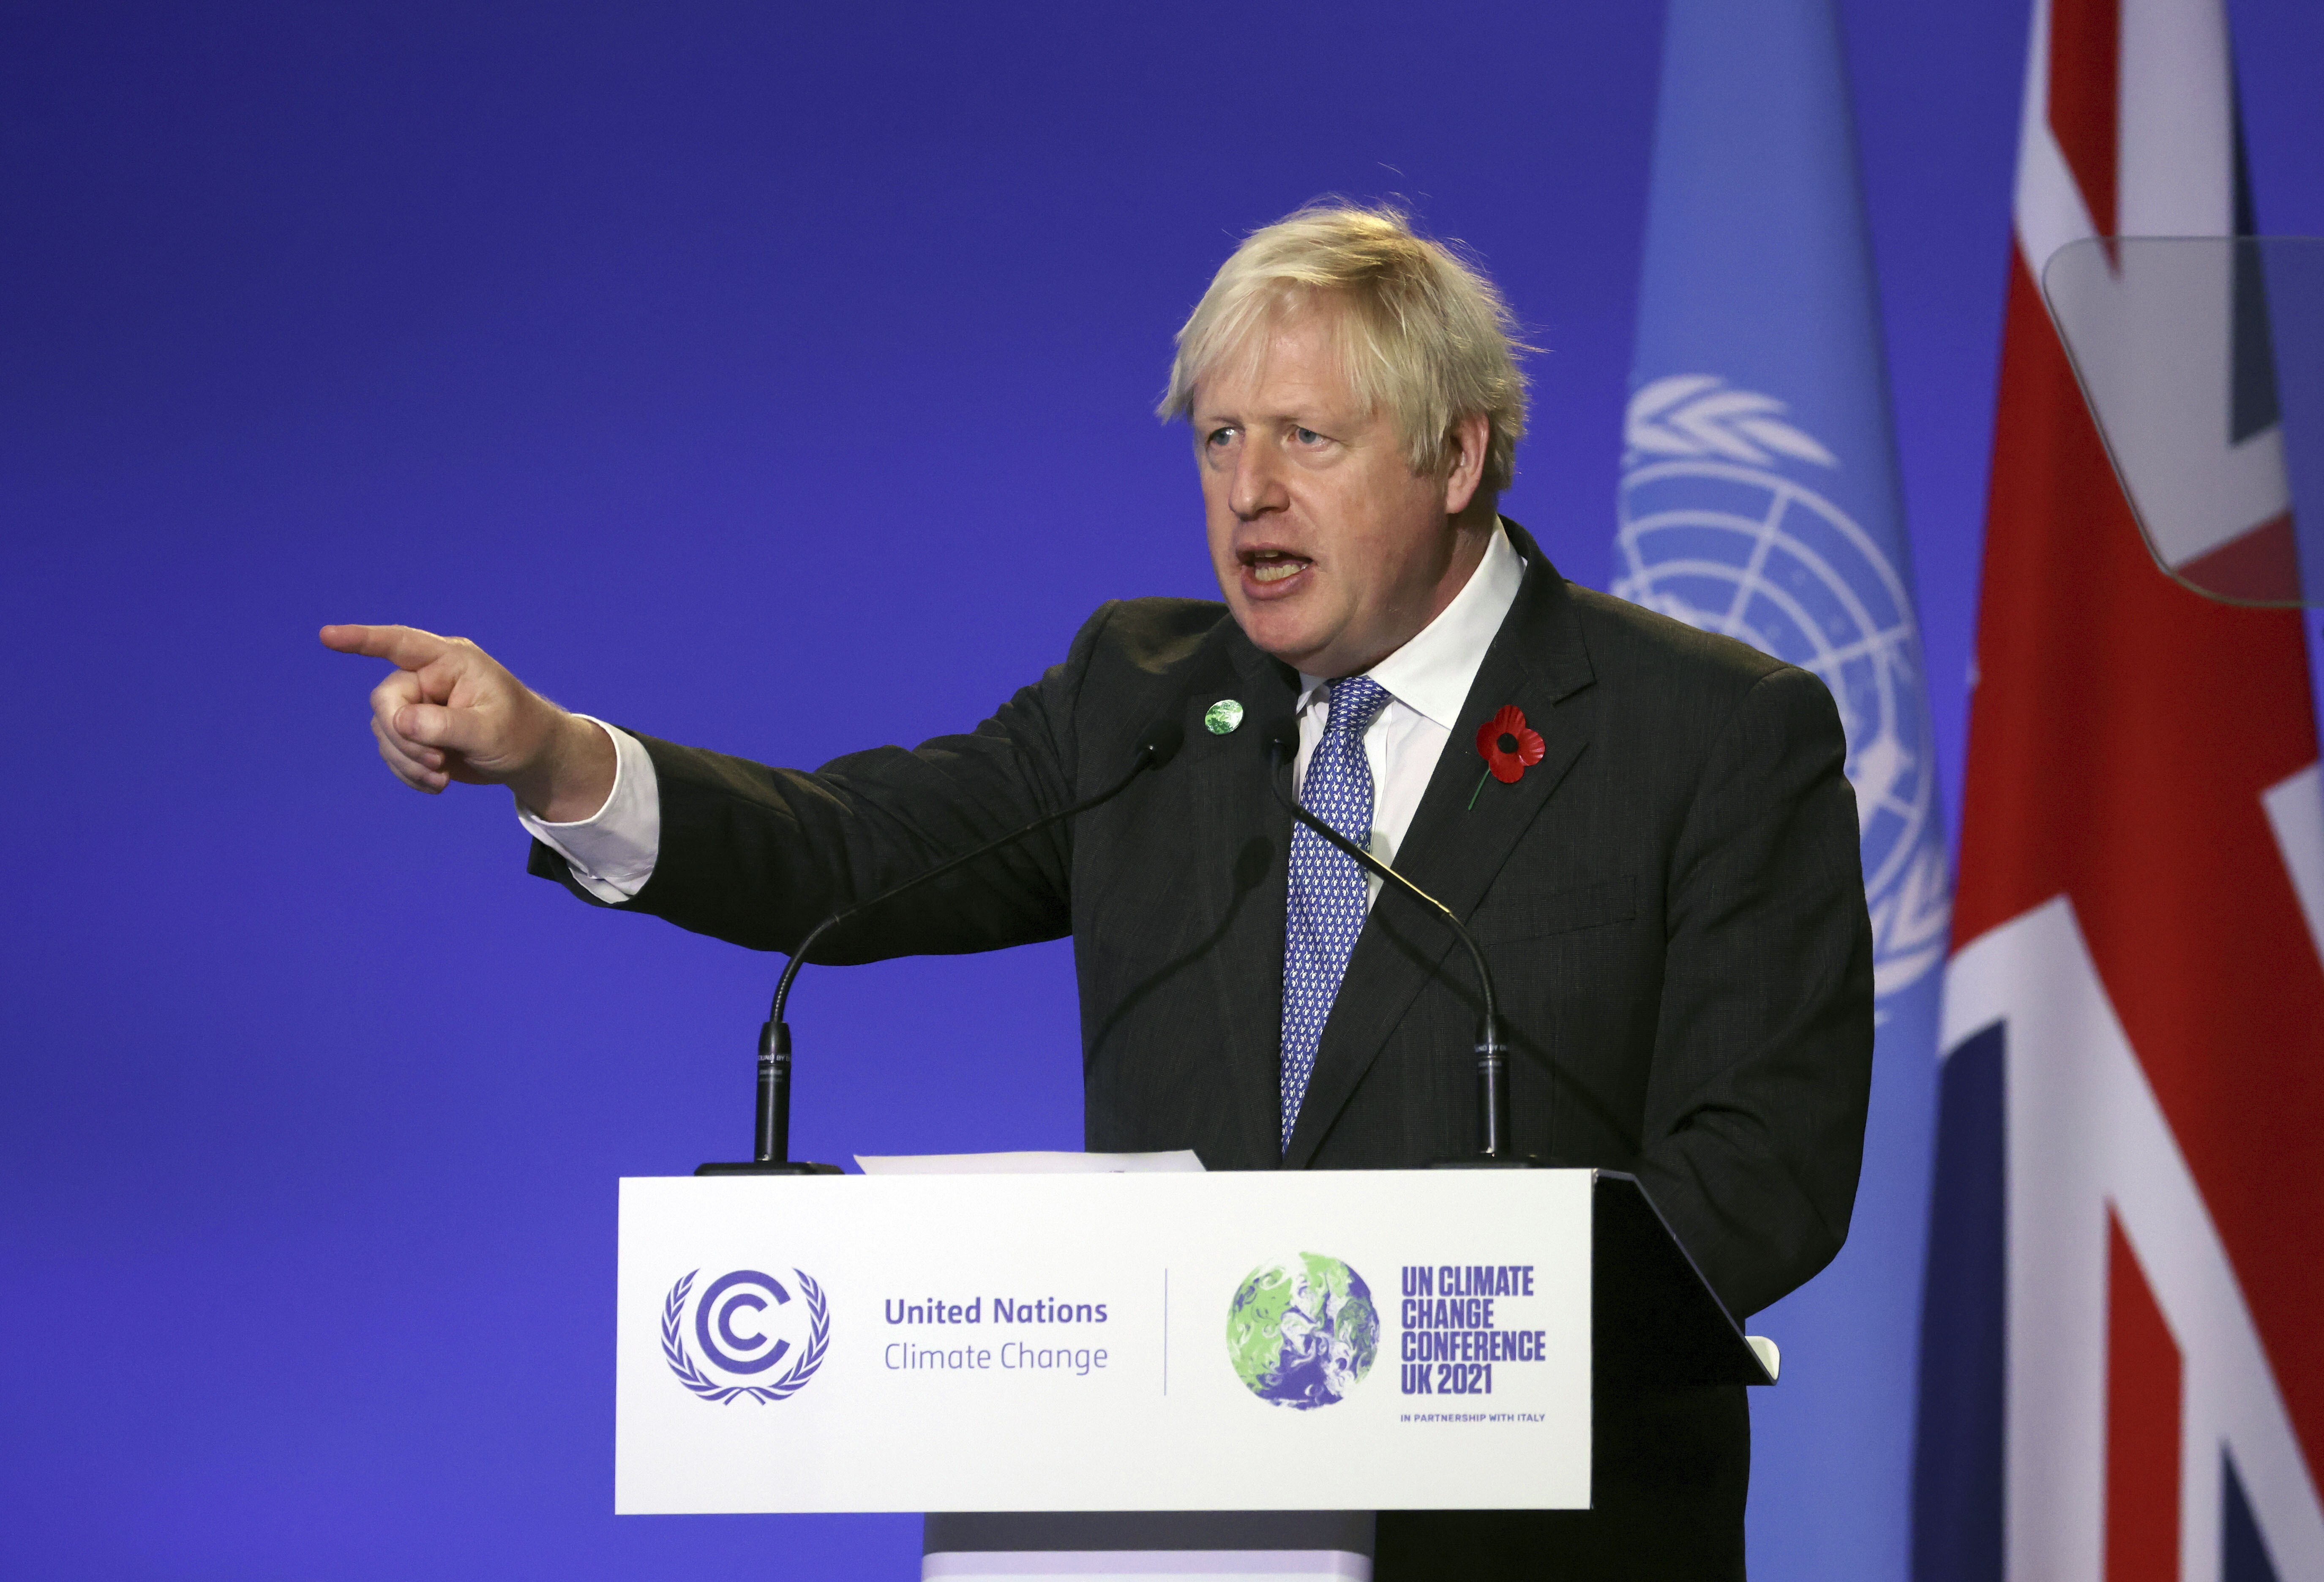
[[1257, 481]]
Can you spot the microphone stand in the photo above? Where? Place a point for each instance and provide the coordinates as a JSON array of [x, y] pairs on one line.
[[1494, 1150], [772, 1133]]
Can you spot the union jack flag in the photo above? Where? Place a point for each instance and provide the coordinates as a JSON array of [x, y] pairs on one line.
[[2122, 1351]]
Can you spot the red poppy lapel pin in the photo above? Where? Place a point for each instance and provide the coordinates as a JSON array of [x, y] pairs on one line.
[[1508, 748]]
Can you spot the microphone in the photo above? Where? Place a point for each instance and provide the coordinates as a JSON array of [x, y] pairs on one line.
[[1493, 1148], [772, 1131]]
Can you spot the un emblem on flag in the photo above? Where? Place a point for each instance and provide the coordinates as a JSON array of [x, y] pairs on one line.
[[1712, 533]]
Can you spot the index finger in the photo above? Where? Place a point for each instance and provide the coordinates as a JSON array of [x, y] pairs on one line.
[[407, 647]]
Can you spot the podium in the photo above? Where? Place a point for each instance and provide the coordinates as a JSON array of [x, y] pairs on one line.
[[1298, 1341]]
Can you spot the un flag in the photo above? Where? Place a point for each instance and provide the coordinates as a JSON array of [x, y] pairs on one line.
[[1758, 499]]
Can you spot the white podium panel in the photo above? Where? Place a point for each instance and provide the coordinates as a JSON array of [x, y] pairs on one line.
[[1343, 1340]]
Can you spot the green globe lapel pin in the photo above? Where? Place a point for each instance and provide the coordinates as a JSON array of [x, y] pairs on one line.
[[1222, 716]]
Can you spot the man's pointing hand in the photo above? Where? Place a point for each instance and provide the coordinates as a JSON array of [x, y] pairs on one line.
[[450, 712]]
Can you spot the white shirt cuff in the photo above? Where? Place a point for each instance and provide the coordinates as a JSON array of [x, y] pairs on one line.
[[612, 851]]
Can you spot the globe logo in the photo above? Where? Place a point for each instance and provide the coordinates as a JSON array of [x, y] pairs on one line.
[[1712, 534], [1303, 1332]]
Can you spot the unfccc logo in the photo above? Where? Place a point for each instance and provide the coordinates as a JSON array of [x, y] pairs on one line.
[[736, 1324]]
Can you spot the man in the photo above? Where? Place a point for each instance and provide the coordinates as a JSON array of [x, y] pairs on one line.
[[1670, 893]]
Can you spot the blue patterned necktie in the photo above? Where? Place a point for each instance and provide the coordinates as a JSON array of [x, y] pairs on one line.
[[1325, 909]]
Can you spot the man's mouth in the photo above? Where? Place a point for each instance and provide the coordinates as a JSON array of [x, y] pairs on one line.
[[1271, 568]]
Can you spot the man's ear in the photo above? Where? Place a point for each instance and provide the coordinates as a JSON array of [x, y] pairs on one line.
[[1469, 439]]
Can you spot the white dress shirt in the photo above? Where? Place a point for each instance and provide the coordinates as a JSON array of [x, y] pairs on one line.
[[611, 852], [1426, 680]]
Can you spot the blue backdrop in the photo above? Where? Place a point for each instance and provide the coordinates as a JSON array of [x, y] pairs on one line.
[[776, 379]]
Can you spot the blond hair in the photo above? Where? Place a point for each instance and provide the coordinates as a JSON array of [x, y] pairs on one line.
[[1424, 336]]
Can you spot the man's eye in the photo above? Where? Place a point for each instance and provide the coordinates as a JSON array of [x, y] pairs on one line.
[[1218, 436], [1306, 437]]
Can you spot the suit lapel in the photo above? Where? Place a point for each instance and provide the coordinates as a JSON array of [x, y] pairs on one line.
[[1537, 661], [1251, 831]]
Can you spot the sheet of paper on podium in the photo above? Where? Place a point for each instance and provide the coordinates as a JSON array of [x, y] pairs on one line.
[[1035, 1163]]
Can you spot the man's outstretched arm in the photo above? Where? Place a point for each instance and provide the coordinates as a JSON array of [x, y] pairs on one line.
[[451, 711]]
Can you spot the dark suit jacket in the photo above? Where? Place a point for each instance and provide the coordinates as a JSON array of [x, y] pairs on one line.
[[1671, 901]]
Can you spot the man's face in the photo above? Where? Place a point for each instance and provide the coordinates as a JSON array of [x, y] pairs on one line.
[[1332, 552]]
